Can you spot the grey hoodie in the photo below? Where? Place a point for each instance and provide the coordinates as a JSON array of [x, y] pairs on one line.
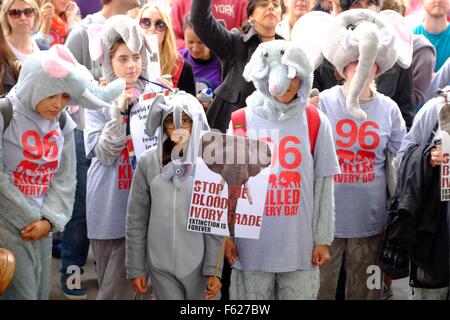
[[159, 202]]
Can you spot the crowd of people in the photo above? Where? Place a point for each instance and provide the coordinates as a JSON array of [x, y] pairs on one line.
[[347, 92]]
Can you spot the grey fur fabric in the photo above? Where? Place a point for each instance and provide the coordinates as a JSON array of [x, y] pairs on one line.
[[271, 68], [324, 218], [111, 141]]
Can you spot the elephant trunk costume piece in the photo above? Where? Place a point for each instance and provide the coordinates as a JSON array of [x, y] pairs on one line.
[[362, 35], [249, 158], [365, 41]]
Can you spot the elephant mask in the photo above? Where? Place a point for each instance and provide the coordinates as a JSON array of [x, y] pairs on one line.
[[271, 68], [355, 35]]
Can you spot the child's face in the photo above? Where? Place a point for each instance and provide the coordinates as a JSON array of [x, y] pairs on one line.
[[50, 108], [127, 64], [180, 135], [291, 92], [350, 71], [196, 47]]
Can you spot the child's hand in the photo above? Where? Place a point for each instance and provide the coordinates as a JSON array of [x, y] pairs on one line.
[[140, 284], [36, 230], [213, 287], [321, 255], [230, 252], [124, 99]]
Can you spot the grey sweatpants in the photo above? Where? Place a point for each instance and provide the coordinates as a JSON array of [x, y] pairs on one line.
[[254, 285], [169, 287], [31, 279], [360, 253], [110, 266]]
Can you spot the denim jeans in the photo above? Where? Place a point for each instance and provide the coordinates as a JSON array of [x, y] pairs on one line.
[[75, 244]]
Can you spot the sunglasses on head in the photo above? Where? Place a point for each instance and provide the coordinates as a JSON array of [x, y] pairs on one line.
[[146, 23], [16, 13]]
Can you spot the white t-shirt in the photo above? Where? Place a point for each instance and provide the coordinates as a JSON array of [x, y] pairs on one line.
[[20, 55], [361, 189], [286, 239], [32, 148]]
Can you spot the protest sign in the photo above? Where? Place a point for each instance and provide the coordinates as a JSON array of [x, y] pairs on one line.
[[444, 123], [230, 185]]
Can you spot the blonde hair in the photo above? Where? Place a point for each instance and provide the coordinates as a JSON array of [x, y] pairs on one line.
[[6, 5], [168, 55], [397, 5]]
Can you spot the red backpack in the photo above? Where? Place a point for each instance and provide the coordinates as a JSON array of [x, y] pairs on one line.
[[240, 128]]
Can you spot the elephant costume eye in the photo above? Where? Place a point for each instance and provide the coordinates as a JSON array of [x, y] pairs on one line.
[[266, 54], [282, 52], [351, 27]]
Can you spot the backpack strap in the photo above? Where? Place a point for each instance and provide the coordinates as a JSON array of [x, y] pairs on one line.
[[239, 122], [313, 117], [6, 110]]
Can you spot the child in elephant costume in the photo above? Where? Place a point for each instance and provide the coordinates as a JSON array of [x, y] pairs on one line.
[[368, 130], [181, 264], [37, 161], [298, 222], [122, 48]]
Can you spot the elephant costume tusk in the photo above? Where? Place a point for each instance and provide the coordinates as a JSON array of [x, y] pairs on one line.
[[261, 74], [349, 42], [291, 72], [390, 43]]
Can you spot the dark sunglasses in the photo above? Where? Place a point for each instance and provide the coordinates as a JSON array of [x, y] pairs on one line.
[[146, 23], [16, 13]]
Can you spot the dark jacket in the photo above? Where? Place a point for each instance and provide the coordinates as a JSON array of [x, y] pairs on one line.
[[396, 83], [187, 80], [234, 50], [419, 219], [9, 80]]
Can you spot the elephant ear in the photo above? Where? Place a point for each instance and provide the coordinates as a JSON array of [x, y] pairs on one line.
[[403, 36], [94, 32], [296, 58], [154, 119], [212, 140], [309, 32], [264, 155], [256, 68]]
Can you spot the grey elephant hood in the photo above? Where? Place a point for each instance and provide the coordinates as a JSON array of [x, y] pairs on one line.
[[362, 35], [271, 68], [102, 37], [177, 103], [52, 72]]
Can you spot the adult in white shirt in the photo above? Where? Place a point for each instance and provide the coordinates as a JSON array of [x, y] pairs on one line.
[[19, 18], [295, 9]]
